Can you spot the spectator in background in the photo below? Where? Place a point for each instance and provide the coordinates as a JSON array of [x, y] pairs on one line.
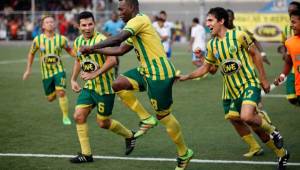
[[28, 28], [13, 29], [164, 35], [3, 31], [178, 30], [197, 43], [113, 27]]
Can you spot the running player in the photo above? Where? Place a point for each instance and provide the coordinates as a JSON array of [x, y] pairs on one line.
[[50, 45]]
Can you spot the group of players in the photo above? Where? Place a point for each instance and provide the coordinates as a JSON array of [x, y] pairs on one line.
[[230, 48]]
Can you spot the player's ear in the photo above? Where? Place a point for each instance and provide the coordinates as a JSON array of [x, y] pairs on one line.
[[222, 21]]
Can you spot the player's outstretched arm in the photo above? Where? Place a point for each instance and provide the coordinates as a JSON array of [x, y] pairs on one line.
[[28, 66], [76, 70], [110, 62], [199, 72], [110, 42], [115, 51], [286, 70], [257, 60]]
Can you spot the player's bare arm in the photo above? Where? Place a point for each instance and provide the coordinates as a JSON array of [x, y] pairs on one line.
[[110, 42], [257, 60], [286, 70], [28, 67], [199, 72], [76, 70], [115, 51], [110, 62]]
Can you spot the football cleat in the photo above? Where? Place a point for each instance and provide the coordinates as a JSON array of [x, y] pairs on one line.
[[80, 158], [145, 125], [254, 152], [66, 121], [129, 144], [277, 138], [183, 161], [282, 161]]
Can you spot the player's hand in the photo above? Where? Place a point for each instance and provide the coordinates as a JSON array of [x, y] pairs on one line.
[[26, 74], [85, 50], [279, 79], [183, 77], [89, 75], [265, 86], [75, 86]]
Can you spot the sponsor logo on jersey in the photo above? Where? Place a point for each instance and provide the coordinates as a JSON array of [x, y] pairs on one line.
[[231, 66], [89, 66], [51, 59]]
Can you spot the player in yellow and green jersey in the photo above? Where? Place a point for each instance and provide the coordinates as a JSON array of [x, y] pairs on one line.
[[234, 52], [97, 90], [50, 45], [287, 32], [156, 73]]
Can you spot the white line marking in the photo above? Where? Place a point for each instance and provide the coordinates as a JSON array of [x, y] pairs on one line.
[[275, 96], [148, 159]]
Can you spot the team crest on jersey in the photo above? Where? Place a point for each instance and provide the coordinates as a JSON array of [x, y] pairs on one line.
[[232, 49], [231, 66], [51, 59], [42, 48], [89, 66]]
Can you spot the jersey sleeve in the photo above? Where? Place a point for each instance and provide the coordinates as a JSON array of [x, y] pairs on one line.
[[65, 42], [244, 39], [135, 25], [193, 32], [209, 57], [34, 46], [129, 42]]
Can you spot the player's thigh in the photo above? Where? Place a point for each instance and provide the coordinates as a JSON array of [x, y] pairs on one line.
[[250, 99], [104, 103], [49, 86], [160, 93], [136, 80]]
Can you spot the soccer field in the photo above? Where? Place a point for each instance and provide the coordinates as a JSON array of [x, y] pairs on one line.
[[30, 125]]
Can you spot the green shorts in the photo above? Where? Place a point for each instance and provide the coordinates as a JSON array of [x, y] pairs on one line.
[[56, 82], [290, 86], [159, 91], [89, 98], [232, 107]]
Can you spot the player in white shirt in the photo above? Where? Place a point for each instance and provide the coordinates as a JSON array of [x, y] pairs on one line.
[[164, 34], [197, 43]]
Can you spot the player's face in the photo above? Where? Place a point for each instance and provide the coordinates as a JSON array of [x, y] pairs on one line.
[[125, 11], [213, 24], [87, 26], [295, 24], [48, 24]]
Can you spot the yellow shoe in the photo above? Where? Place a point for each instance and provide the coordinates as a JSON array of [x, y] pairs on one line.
[[254, 152], [66, 121]]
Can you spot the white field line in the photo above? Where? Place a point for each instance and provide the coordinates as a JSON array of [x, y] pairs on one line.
[[147, 159]]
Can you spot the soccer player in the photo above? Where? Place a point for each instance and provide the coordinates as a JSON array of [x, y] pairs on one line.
[[97, 91], [235, 53], [292, 61], [286, 34], [50, 45], [197, 42], [156, 73]]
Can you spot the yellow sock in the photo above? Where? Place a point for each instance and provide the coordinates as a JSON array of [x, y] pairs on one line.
[[119, 129], [278, 152], [251, 141], [129, 99], [82, 131], [64, 106], [267, 126], [174, 130]]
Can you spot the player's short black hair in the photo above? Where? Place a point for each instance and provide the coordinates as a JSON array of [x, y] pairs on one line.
[[196, 20], [135, 3], [231, 12], [84, 15], [295, 13], [220, 13], [297, 4], [163, 12]]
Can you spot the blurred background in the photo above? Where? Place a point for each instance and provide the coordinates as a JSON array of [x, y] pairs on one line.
[[19, 19]]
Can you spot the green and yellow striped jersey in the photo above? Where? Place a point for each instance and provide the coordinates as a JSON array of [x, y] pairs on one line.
[[231, 54], [90, 62], [50, 51], [148, 48]]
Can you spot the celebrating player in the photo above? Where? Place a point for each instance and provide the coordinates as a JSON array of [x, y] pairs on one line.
[[50, 45]]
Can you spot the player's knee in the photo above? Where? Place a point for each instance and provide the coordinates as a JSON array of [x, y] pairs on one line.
[[60, 93], [104, 124], [246, 118], [51, 98], [121, 83], [79, 118]]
